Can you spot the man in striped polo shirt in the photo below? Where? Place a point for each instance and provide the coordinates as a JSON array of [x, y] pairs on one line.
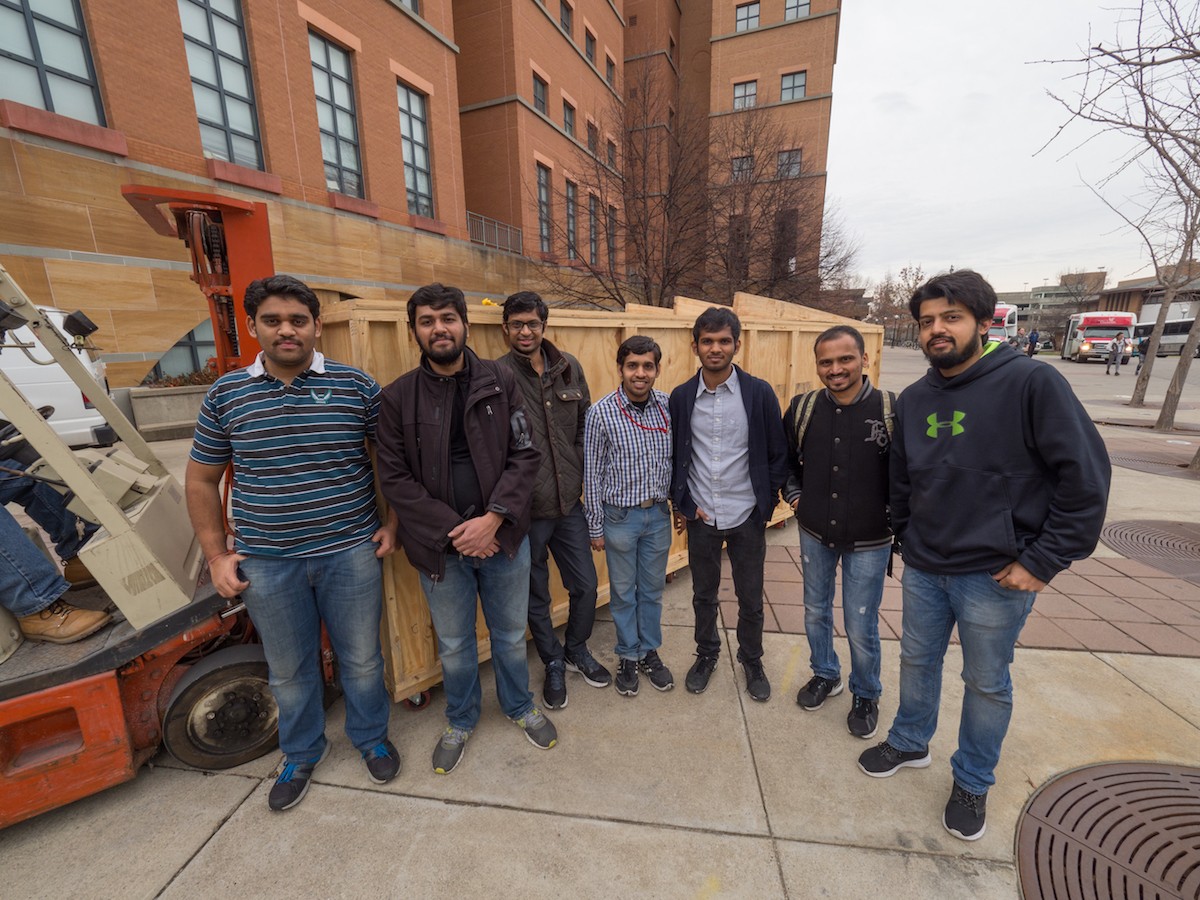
[[627, 478], [307, 536]]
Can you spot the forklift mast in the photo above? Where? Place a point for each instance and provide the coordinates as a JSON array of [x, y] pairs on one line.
[[230, 245]]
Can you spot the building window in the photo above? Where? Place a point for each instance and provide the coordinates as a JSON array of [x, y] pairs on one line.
[[612, 153], [565, 16], [789, 164], [610, 71], [412, 5], [335, 115], [593, 236], [747, 16], [795, 9], [745, 94], [783, 244], [589, 46], [791, 86], [743, 168], [191, 353], [45, 60], [539, 94], [543, 191], [568, 118], [215, 40], [612, 239], [414, 140], [572, 194], [593, 138]]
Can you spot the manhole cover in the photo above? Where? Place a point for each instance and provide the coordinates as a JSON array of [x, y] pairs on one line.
[[1171, 546], [1113, 831]]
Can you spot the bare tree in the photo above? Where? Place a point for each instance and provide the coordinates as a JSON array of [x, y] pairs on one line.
[[1146, 86], [1077, 289]]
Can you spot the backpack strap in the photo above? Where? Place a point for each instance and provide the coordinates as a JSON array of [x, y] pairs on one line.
[[889, 416], [807, 403]]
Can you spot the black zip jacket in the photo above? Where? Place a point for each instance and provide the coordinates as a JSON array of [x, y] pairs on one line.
[[997, 464]]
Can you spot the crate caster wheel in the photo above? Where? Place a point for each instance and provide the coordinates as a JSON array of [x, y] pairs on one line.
[[418, 701]]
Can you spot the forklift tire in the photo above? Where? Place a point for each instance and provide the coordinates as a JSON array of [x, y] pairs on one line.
[[221, 713]]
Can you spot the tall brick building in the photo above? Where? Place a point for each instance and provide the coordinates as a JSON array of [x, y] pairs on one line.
[[394, 142]]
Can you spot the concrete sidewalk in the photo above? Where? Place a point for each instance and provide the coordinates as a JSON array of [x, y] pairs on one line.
[[662, 795]]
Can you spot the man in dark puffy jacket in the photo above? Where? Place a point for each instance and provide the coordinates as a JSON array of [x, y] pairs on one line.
[[456, 459], [998, 481], [556, 402]]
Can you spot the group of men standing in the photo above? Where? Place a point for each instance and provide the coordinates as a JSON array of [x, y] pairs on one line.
[[489, 467]]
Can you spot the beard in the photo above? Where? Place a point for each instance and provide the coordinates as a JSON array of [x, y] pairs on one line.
[[445, 356], [955, 357]]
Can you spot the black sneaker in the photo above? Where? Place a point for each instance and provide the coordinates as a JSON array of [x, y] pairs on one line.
[[863, 719], [965, 814], [757, 685], [812, 696], [699, 674], [383, 762], [883, 760], [449, 750], [585, 664], [292, 783], [659, 675], [540, 730], [554, 689], [627, 678]]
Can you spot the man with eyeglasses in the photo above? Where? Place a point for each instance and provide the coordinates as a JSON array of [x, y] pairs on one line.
[[556, 401]]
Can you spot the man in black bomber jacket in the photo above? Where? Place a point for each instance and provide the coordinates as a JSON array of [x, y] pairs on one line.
[[998, 482]]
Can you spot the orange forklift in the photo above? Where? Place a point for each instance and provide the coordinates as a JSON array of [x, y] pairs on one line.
[[181, 666]]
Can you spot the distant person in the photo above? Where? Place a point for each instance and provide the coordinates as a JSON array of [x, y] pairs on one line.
[[1022, 341], [730, 462], [556, 402], [983, 423], [839, 440], [1034, 339], [1143, 350], [456, 463], [308, 538], [627, 480], [1116, 354]]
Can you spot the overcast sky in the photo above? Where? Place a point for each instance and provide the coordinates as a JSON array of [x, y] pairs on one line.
[[939, 107]]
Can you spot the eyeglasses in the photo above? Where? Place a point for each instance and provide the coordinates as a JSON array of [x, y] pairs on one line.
[[531, 327]]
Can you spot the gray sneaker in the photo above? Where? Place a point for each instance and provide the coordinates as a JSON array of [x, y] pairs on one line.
[[449, 750], [538, 728]]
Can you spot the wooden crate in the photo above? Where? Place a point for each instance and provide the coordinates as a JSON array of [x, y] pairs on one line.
[[373, 334]]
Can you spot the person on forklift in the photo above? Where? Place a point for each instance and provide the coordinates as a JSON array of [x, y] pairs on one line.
[[308, 539], [31, 587]]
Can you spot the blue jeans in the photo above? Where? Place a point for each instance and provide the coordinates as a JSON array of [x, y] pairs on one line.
[[747, 545], [28, 581], [567, 538], [502, 588], [863, 572], [637, 543], [287, 600], [45, 506], [989, 620]]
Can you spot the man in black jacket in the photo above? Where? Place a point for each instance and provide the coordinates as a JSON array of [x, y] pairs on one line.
[[556, 401], [838, 441], [730, 460], [998, 481], [456, 459]]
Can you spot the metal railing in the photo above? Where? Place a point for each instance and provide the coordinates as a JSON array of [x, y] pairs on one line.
[[493, 233]]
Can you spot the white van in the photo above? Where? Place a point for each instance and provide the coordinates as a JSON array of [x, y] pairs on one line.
[[75, 420]]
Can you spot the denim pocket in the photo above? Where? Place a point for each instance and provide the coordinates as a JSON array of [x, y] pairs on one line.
[[615, 514]]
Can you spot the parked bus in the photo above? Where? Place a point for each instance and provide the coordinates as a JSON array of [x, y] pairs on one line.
[[1004, 323], [1089, 334], [1174, 336]]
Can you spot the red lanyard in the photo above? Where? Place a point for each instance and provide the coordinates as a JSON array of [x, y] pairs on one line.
[[633, 421]]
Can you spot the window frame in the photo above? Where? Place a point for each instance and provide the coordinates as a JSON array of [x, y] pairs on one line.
[[749, 94], [741, 173], [568, 118], [566, 18], [593, 138], [746, 16], [787, 92], [794, 165], [44, 70], [610, 71], [352, 112], [791, 10], [217, 54], [545, 211], [572, 200], [414, 194], [612, 153], [611, 238], [589, 46], [593, 237], [541, 94]]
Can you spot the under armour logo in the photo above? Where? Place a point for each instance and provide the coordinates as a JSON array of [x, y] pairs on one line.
[[954, 424]]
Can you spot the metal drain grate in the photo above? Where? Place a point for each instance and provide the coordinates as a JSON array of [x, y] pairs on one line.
[[1113, 831], [1171, 546]]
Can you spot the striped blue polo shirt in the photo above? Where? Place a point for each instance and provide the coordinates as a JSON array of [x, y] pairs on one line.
[[302, 480]]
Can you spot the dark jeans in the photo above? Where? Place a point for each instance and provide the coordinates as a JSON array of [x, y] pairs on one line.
[[747, 545], [567, 538]]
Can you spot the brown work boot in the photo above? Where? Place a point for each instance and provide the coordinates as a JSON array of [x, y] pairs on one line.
[[62, 623], [77, 573]]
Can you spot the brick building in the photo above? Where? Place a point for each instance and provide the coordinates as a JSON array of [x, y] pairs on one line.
[[394, 142]]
